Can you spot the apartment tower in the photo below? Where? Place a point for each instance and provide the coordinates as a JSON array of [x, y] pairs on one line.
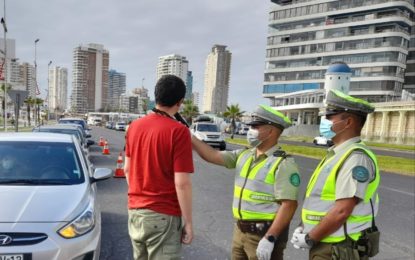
[[217, 74], [90, 79], [306, 36], [173, 64], [58, 89], [116, 87]]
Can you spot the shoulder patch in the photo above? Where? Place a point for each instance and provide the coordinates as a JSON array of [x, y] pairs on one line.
[[295, 179], [360, 173]]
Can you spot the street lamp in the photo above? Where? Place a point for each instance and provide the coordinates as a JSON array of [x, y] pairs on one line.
[[37, 92], [48, 97], [3, 22]]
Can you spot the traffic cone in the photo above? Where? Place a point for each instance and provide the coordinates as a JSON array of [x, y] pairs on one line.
[[101, 141], [119, 171], [106, 150]]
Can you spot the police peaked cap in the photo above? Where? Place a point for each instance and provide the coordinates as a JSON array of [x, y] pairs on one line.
[[338, 102], [266, 115]]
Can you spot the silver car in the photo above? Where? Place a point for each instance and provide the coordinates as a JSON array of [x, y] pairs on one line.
[[49, 208]]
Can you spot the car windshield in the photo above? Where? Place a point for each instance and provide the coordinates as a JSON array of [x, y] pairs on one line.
[[39, 163], [207, 128]]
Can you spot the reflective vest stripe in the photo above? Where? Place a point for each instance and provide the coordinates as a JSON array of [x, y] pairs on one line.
[[320, 197]]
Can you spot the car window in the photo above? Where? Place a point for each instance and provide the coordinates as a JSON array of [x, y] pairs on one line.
[[62, 131], [207, 128], [73, 121], [40, 163]]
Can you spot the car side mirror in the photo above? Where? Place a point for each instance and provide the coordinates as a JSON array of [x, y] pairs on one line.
[[88, 135], [89, 142], [101, 174]]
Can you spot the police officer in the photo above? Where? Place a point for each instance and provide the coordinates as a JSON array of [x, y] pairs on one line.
[[266, 187], [341, 199]]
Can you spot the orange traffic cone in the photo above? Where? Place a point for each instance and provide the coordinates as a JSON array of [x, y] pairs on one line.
[[106, 150], [101, 141], [119, 171]]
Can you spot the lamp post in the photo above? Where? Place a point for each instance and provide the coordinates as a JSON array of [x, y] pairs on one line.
[[36, 87], [3, 22], [48, 96]]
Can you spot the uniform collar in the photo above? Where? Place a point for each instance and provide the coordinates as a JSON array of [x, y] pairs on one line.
[[345, 145], [269, 152]]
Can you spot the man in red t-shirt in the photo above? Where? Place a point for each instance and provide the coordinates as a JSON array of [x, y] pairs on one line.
[[158, 166]]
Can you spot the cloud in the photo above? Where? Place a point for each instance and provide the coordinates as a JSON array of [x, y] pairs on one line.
[[137, 32]]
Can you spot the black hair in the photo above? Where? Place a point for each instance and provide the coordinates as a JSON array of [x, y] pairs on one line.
[[359, 117], [169, 90]]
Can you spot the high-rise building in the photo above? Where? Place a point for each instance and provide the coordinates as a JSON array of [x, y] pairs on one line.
[[58, 89], [9, 67], [217, 75], [28, 78], [142, 99], [173, 64], [196, 99], [116, 87], [90, 78], [189, 85], [410, 65], [306, 36]]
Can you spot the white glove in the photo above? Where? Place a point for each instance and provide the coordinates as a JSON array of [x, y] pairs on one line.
[[264, 249], [298, 241], [299, 230]]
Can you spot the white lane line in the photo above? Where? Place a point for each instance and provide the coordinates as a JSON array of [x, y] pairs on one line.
[[399, 191]]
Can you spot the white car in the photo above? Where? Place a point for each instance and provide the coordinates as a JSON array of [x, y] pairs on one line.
[[48, 198], [209, 133], [321, 140], [243, 130], [120, 126]]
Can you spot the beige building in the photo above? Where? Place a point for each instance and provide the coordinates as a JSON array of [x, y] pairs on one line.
[[58, 89], [89, 78], [217, 75], [392, 122], [173, 64]]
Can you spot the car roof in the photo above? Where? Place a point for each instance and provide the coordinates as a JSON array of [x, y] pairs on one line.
[[61, 126], [71, 118], [36, 137]]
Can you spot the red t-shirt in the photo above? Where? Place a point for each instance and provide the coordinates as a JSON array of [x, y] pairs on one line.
[[158, 147]]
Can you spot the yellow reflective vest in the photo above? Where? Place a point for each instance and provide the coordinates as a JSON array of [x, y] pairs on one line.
[[321, 192], [253, 197]]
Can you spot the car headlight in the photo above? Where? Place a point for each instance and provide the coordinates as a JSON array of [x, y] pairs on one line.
[[81, 225]]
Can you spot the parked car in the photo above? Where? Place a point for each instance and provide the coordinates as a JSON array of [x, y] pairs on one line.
[[209, 133], [110, 125], [321, 140], [49, 191], [243, 130], [120, 126], [78, 121]]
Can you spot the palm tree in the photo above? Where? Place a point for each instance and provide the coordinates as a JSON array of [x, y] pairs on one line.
[[144, 105], [189, 110], [3, 101], [29, 102], [233, 112], [38, 102]]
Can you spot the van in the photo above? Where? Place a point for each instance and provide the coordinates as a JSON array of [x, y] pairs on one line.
[[209, 133]]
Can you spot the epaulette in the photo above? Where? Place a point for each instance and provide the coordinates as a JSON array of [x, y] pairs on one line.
[[280, 153]]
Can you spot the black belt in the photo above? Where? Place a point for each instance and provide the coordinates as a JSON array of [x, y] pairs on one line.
[[254, 227]]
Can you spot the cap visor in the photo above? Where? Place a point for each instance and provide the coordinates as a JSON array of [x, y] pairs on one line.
[[256, 122]]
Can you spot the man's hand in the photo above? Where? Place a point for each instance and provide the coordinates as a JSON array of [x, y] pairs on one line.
[[299, 241], [264, 249], [187, 234]]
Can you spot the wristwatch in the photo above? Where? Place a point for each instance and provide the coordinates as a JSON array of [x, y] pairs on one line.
[[310, 242], [271, 238]]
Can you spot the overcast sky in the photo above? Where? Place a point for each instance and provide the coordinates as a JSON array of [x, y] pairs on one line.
[[137, 32]]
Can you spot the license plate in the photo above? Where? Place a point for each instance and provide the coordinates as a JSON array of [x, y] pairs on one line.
[[12, 257]]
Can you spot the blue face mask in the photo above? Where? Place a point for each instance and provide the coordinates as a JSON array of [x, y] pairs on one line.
[[325, 128]]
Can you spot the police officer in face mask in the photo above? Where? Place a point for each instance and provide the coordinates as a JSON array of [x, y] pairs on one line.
[[265, 190], [341, 200]]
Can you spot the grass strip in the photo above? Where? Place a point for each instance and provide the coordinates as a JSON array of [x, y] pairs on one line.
[[399, 165]]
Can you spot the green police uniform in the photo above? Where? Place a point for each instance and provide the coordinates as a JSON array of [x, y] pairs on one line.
[[348, 170], [260, 183]]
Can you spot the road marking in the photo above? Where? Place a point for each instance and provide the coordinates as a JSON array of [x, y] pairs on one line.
[[399, 191]]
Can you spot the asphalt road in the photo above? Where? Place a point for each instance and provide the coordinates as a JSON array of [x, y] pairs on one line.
[[212, 197]]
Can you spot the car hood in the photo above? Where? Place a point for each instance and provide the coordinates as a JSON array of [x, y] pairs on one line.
[[43, 203], [210, 133]]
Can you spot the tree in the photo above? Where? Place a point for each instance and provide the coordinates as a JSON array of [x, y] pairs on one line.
[[29, 102], [189, 110], [3, 100], [144, 105], [38, 102], [233, 112]]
